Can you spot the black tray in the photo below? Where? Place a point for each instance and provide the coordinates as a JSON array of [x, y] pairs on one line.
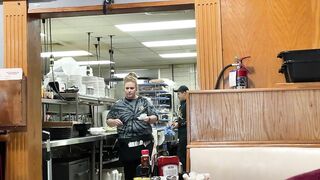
[[301, 65]]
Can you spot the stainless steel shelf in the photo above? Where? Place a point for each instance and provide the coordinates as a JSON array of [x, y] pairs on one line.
[[153, 84], [153, 92], [53, 101], [161, 105], [160, 98], [110, 161], [78, 140], [73, 98]]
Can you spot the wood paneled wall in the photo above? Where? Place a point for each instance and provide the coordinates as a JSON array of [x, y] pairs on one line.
[[24, 148], [208, 33], [274, 116], [262, 29]]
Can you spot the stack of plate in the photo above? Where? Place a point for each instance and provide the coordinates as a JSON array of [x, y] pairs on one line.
[[92, 85], [101, 87]]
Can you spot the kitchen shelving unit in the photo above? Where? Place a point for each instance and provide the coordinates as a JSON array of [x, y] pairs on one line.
[[160, 97]]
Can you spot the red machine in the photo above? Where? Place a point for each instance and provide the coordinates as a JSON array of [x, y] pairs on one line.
[[168, 166]]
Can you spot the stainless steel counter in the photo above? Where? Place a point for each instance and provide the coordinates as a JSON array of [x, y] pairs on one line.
[[78, 140]]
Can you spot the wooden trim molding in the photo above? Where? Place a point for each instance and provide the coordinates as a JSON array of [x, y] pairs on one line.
[[15, 46], [15, 34], [4, 137], [114, 8], [209, 44], [23, 156], [188, 160]]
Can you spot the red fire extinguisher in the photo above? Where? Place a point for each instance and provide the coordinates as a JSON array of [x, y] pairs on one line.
[[238, 78], [241, 74]]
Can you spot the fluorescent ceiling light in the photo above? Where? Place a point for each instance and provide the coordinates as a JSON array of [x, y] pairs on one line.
[[179, 55], [120, 75], [181, 42], [66, 54], [130, 70], [92, 63], [153, 26]]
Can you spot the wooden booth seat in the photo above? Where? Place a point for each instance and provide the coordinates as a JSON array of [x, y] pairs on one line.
[[254, 163]]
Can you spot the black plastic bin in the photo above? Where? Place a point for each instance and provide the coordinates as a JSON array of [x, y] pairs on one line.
[[301, 65]]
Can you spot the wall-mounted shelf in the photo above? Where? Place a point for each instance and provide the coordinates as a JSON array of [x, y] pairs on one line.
[[153, 92], [160, 98], [153, 84]]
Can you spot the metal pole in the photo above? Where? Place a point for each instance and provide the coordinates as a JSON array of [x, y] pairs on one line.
[[49, 160], [100, 158], [93, 161]]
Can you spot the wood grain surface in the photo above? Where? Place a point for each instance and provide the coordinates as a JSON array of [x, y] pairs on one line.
[[306, 85], [208, 33], [274, 116], [262, 29], [22, 49], [11, 112]]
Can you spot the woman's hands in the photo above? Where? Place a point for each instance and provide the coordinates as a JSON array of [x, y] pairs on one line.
[[117, 122], [114, 122]]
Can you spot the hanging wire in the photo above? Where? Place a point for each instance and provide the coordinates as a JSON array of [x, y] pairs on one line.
[[47, 39], [52, 62], [112, 66], [89, 39], [89, 42], [99, 54], [44, 45], [50, 33]]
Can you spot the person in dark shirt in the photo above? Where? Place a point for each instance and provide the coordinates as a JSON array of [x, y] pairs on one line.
[[181, 125], [133, 116]]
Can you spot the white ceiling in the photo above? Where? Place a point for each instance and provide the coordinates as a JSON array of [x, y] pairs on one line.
[[71, 34]]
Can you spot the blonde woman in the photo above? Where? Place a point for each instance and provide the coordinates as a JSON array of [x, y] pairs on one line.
[[133, 116]]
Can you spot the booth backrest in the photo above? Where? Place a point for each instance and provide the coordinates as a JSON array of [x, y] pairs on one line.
[[254, 163]]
